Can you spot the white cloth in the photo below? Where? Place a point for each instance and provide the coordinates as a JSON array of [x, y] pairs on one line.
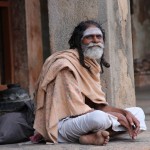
[[70, 129], [137, 112]]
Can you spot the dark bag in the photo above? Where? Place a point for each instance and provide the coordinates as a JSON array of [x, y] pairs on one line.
[[13, 98], [16, 122]]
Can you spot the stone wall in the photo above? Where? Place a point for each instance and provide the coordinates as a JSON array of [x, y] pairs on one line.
[[140, 28], [121, 84], [65, 15], [114, 15], [141, 44]]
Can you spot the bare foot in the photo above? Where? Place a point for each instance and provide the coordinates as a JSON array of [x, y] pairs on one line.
[[98, 138]]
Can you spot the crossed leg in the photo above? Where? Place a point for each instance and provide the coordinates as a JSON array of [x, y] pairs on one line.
[[98, 138], [89, 128]]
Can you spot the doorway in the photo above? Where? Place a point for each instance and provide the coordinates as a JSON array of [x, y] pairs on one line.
[[6, 54]]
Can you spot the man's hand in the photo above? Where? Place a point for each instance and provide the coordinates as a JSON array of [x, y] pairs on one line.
[[124, 122], [125, 118], [134, 123]]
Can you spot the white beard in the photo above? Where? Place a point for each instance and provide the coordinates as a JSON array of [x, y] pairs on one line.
[[94, 51]]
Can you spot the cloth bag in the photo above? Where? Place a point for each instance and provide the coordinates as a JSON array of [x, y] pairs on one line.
[[17, 116]]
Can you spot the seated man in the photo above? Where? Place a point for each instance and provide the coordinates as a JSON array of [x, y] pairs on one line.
[[70, 105]]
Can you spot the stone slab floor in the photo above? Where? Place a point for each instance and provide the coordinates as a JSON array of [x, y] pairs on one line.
[[124, 143]]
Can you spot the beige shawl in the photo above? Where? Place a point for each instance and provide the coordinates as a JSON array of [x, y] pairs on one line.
[[61, 90]]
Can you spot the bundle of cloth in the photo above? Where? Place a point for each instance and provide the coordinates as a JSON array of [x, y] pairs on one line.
[[16, 115]]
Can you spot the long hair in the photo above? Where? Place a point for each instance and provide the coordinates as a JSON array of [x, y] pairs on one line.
[[75, 41]]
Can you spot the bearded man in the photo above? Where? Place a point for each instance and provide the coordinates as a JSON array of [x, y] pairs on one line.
[[70, 104]]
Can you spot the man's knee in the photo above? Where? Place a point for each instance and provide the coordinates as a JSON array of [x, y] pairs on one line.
[[137, 112], [99, 119]]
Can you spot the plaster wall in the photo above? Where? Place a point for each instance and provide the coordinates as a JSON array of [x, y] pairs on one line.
[[118, 82]]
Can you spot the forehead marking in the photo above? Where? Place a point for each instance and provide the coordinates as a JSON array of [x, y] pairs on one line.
[[92, 31]]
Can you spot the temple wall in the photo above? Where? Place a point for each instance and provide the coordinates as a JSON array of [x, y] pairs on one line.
[[118, 81]]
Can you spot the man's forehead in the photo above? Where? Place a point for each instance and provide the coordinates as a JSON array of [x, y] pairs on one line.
[[92, 31]]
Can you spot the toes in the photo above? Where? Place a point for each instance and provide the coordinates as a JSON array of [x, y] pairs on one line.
[[98, 138], [103, 137], [106, 140], [105, 133]]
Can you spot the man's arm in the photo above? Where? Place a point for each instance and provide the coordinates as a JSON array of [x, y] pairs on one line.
[[107, 108], [125, 118]]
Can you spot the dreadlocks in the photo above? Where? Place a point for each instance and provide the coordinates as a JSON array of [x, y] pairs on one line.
[[75, 41]]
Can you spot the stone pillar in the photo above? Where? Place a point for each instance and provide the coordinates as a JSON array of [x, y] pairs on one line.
[[34, 41], [120, 77], [114, 15]]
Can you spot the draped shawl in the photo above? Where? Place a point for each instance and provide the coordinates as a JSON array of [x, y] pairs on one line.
[[61, 89]]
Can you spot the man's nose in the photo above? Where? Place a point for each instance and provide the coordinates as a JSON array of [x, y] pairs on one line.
[[96, 39]]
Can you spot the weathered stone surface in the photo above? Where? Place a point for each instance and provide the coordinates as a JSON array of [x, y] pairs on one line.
[[141, 36], [140, 28], [120, 54], [64, 15], [34, 42]]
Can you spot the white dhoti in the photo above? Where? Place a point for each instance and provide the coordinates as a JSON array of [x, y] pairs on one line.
[[70, 129]]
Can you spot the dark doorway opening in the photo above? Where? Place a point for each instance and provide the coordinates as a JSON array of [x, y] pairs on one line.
[[6, 54]]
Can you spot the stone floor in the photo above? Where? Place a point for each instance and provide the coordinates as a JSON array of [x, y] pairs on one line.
[[141, 143], [143, 98]]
